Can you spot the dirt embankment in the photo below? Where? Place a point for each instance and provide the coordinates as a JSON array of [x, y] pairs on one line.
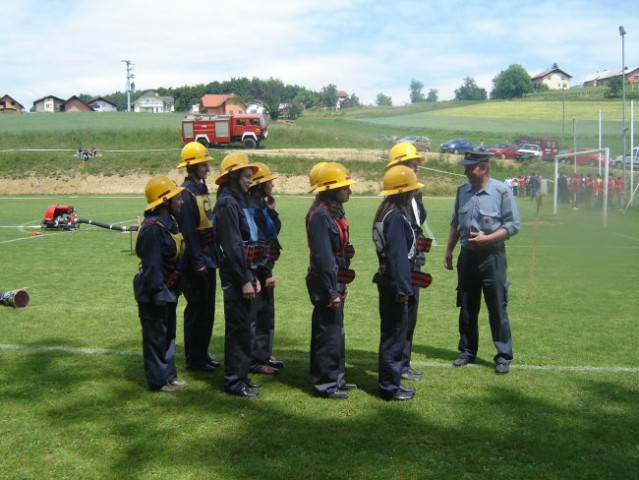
[[76, 183]]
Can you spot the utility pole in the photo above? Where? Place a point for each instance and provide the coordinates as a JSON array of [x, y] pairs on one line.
[[622, 33], [130, 86]]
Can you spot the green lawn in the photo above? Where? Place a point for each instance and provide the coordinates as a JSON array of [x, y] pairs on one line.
[[74, 403]]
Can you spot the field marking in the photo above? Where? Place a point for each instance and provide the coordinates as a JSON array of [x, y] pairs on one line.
[[138, 353]]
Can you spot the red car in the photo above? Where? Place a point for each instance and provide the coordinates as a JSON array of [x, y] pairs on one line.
[[503, 150], [590, 159]]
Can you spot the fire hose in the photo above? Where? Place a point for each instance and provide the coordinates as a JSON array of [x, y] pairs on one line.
[[15, 298], [121, 228]]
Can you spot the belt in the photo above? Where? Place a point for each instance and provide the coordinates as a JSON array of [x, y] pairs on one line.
[[483, 251]]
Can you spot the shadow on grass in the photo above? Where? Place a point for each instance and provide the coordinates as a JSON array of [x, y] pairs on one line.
[[90, 416]]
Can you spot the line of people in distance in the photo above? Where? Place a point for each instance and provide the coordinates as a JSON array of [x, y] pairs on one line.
[[184, 241]]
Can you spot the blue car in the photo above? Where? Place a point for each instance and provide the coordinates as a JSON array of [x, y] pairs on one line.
[[456, 146]]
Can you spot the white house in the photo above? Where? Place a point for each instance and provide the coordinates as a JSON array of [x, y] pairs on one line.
[[48, 104], [553, 79], [151, 102], [103, 105]]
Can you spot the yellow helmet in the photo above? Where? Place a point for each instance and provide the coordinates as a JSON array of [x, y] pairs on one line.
[[313, 174], [399, 179], [332, 176], [262, 174], [403, 152], [192, 153], [158, 189], [232, 163]]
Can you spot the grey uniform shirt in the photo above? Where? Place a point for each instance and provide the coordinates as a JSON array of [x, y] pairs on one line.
[[485, 211]]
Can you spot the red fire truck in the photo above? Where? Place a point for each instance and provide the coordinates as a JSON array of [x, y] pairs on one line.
[[211, 130]]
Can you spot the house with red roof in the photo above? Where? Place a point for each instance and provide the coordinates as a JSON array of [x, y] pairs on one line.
[[221, 104], [7, 103]]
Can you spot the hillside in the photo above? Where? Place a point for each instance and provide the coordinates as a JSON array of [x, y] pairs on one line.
[[36, 150]]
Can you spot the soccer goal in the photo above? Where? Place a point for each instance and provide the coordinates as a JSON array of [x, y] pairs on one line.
[[605, 152]]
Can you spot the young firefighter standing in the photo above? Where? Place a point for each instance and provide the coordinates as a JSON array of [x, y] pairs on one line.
[[199, 279], [328, 274], [396, 245], [159, 247], [485, 216], [405, 154], [268, 226], [237, 238]]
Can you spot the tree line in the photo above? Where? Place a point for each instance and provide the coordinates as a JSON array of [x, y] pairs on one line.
[[277, 98]]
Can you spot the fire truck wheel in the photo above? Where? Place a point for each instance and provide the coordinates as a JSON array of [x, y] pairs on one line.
[[249, 143]]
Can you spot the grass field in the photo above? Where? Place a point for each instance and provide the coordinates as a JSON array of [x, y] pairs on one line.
[[74, 403]]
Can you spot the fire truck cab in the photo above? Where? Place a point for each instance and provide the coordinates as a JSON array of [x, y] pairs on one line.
[[211, 130]]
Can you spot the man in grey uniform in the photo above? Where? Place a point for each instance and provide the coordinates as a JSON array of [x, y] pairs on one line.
[[485, 216]]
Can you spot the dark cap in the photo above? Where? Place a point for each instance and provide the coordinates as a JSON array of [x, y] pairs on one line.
[[471, 158]]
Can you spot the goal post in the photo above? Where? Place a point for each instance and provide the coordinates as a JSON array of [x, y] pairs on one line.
[[606, 152]]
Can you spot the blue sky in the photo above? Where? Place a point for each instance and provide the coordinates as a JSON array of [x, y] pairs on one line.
[[67, 47]]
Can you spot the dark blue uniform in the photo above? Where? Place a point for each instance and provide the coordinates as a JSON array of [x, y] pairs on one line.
[[236, 235], [199, 286], [268, 226], [159, 247], [484, 270], [395, 244], [416, 216], [327, 234]]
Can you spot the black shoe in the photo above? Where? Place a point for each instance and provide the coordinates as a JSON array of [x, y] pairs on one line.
[[410, 374], [348, 386], [405, 389], [337, 395], [502, 368], [243, 392], [262, 369], [201, 368], [275, 363], [398, 396], [213, 363], [461, 361], [251, 384]]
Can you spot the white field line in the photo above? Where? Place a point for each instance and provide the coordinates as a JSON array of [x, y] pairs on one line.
[[107, 351]]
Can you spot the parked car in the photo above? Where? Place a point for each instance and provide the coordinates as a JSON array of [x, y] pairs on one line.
[[503, 150], [529, 151], [619, 163], [590, 159], [549, 146], [420, 142], [456, 146]]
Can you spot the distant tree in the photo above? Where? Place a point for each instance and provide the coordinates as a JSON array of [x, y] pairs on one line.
[[85, 97], [514, 82], [328, 96], [307, 98], [272, 96], [416, 95], [470, 91], [384, 100], [354, 101], [433, 95], [615, 87], [295, 109]]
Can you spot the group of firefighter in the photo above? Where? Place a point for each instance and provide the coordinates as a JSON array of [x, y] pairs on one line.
[[185, 239]]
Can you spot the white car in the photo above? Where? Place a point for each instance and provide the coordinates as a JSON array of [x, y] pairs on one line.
[[635, 160], [529, 151]]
